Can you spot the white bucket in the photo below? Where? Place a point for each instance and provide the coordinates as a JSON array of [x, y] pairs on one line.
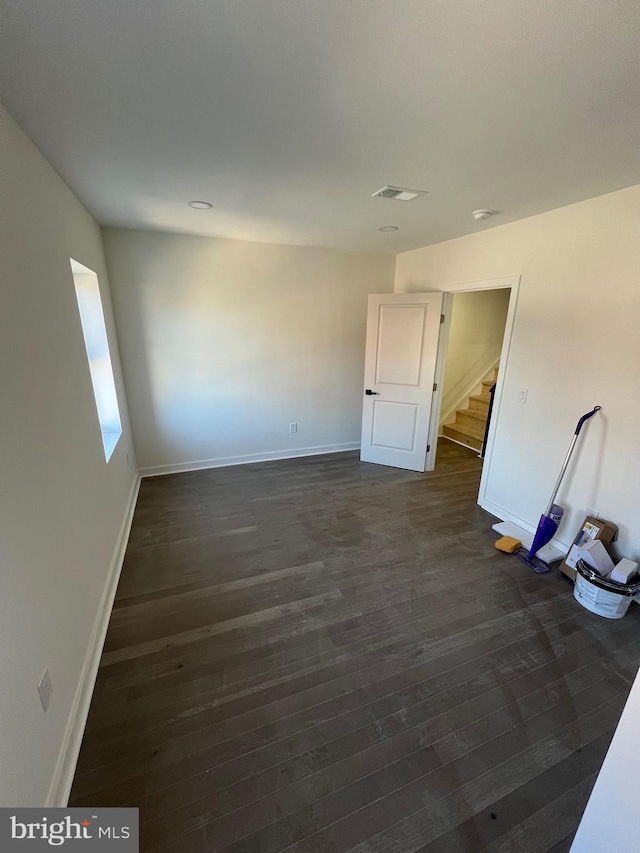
[[600, 596]]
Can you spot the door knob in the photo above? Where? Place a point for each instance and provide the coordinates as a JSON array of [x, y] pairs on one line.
[[371, 393]]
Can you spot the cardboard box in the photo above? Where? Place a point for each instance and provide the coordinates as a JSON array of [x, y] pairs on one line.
[[594, 554], [591, 529], [624, 571]]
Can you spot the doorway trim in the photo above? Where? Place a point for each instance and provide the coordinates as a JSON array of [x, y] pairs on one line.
[[512, 282]]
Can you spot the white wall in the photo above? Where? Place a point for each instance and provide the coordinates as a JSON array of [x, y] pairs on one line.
[[474, 345], [224, 343], [576, 343], [62, 506], [611, 820]]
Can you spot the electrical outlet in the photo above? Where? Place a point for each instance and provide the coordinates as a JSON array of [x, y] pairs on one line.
[[45, 689], [522, 395], [293, 427]]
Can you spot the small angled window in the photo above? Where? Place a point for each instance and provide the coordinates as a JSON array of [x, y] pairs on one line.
[[97, 345]]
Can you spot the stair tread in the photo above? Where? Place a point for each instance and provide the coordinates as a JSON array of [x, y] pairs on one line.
[[470, 424], [486, 390], [472, 413], [460, 428]]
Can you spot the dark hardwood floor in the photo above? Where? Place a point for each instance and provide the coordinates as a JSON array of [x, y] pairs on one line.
[[320, 655]]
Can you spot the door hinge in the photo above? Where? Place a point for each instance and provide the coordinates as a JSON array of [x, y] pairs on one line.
[[435, 386], [442, 318], [428, 447]]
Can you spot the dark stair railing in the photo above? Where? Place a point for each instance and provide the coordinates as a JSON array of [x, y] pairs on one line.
[[492, 392]]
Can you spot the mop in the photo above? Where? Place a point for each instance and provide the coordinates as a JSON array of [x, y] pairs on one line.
[[550, 519]]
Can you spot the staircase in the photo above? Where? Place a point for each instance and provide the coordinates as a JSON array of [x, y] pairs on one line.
[[470, 423]]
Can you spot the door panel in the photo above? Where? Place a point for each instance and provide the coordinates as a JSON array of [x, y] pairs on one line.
[[394, 425], [402, 341]]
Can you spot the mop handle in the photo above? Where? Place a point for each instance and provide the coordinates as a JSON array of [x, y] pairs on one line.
[[585, 418], [579, 426]]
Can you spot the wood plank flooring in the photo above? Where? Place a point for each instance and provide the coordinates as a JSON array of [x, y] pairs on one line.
[[320, 655]]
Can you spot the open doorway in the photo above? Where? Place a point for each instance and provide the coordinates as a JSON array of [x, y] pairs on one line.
[[472, 362]]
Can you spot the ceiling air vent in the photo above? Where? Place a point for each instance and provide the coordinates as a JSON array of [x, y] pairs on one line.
[[398, 193]]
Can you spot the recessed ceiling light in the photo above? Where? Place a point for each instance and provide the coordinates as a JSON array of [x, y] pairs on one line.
[[388, 228], [200, 205], [483, 213]]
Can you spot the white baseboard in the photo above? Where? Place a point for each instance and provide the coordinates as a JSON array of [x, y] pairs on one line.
[[65, 769], [224, 461], [505, 515]]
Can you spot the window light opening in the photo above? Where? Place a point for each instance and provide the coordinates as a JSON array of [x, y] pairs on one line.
[[97, 346]]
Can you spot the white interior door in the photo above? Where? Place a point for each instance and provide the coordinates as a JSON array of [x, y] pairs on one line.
[[400, 363]]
